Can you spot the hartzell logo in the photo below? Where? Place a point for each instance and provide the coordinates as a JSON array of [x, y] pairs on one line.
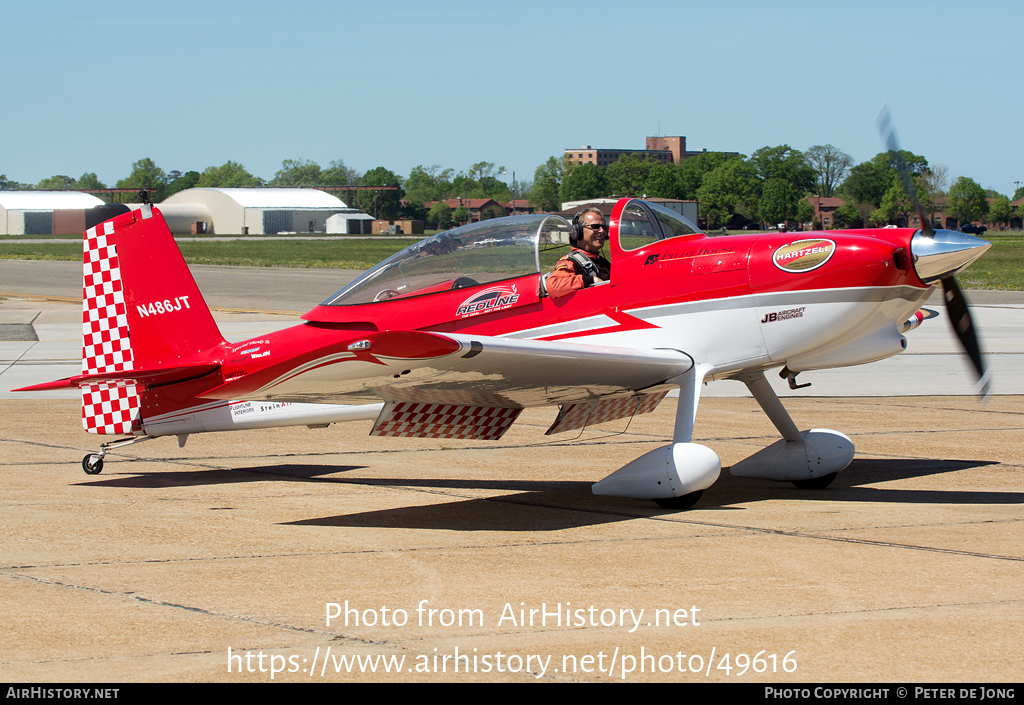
[[804, 255]]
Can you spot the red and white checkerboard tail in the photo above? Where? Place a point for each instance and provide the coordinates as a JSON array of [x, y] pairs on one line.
[[141, 310]]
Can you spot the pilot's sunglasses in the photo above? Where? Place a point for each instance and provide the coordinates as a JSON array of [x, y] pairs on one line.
[[595, 226]]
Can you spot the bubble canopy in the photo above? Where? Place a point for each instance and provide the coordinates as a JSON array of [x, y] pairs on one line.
[[478, 253]]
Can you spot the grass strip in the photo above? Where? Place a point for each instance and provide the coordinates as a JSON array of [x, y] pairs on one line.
[[1002, 267]]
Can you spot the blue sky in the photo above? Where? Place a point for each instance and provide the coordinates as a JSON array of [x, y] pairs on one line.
[[94, 87]]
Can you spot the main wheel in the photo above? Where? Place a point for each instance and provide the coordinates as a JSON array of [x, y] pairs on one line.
[[684, 502], [92, 464], [817, 483]]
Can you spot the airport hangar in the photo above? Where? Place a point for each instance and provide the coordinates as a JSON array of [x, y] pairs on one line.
[[261, 211], [49, 212], [228, 211]]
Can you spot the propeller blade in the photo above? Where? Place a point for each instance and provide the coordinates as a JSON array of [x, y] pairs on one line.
[[960, 318], [940, 258], [887, 130]]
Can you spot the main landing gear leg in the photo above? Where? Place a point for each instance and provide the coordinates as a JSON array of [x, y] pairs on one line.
[[809, 459], [93, 462], [675, 475]]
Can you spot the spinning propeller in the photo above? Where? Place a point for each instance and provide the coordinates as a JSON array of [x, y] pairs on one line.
[[938, 255]]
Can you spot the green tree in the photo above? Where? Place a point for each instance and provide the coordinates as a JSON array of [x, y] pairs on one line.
[[485, 174], [8, 185], [297, 172], [337, 174], [583, 182], [59, 182], [1019, 193], [521, 190], [693, 170], [830, 166], [999, 212], [785, 176], [412, 211], [440, 216], [481, 181], [966, 201], [868, 181], [916, 164], [460, 215], [146, 175], [228, 175], [784, 162], [89, 180], [385, 203], [936, 179], [664, 182], [183, 181], [778, 201], [428, 183], [732, 187], [547, 180], [804, 212], [628, 174], [897, 206], [847, 216]]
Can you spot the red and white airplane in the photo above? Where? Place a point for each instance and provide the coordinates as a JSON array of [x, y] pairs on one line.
[[454, 336]]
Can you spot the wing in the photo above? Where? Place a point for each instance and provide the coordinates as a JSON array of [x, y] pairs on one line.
[[467, 386]]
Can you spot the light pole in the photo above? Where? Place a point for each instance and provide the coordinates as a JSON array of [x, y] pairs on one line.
[[502, 173]]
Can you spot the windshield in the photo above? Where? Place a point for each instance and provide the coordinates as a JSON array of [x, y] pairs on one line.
[[478, 253], [642, 223]]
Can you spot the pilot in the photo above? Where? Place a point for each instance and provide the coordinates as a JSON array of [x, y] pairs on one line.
[[584, 265]]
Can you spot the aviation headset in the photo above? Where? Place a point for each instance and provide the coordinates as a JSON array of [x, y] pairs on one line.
[[576, 232]]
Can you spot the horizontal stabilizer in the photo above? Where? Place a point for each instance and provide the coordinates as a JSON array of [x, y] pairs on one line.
[[48, 386], [146, 378]]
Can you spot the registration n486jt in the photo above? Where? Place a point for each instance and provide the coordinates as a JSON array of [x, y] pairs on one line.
[[155, 308]]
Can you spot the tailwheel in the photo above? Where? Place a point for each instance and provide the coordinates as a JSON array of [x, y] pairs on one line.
[[92, 464], [684, 502], [817, 483]]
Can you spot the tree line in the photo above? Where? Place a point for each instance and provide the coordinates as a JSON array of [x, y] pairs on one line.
[[772, 185], [423, 185]]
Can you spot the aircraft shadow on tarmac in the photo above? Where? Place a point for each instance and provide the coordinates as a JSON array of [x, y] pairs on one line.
[[549, 506], [853, 485], [126, 477]]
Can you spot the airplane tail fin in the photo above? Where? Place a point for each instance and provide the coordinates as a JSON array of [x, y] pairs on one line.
[[144, 321]]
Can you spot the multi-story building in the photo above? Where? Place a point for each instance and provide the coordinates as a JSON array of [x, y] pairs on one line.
[[667, 150]]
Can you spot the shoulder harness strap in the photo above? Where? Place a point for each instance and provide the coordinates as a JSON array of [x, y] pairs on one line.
[[586, 266]]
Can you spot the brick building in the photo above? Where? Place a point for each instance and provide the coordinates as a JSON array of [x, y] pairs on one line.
[[479, 208], [824, 207], [666, 150]]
